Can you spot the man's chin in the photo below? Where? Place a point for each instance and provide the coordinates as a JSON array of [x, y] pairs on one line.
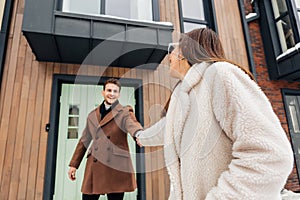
[[110, 102]]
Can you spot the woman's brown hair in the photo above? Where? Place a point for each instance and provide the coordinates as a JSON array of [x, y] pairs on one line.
[[203, 45]]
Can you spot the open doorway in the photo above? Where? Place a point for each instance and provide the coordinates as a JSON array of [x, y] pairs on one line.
[[70, 105]]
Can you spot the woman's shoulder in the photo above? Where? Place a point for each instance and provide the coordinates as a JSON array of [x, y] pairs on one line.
[[218, 70], [223, 66], [226, 70]]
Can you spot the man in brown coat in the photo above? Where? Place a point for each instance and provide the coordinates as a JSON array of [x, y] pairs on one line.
[[109, 167]]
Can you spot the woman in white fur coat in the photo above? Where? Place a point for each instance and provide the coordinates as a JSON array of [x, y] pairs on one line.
[[221, 137]]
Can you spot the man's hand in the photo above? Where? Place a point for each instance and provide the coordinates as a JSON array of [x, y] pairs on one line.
[[71, 173]]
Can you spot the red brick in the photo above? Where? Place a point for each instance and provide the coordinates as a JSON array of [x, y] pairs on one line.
[[270, 87]]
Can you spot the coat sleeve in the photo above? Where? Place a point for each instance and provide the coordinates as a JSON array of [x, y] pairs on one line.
[[154, 135], [130, 122], [82, 146], [262, 154]]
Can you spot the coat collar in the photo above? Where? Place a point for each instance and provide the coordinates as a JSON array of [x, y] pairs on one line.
[[116, 109], [182, 102], [180, 106], [193, 76]]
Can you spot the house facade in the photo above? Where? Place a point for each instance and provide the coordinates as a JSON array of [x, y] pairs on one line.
[[55, 56]]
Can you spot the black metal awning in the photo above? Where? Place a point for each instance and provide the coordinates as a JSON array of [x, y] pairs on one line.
[[96, 40]]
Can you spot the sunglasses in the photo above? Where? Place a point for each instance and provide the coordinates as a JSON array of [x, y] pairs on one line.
[[171, 47]]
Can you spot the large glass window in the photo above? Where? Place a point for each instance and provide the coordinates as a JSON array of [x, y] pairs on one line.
[[283, 24], [193, 9], [83, 7], [193, 14], [280, 28], [190, 26], [2, 4], [131, 9]]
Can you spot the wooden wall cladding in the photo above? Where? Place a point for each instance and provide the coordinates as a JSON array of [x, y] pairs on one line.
[[26, 94]]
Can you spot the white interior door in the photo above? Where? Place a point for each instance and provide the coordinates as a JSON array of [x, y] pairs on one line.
[[76, 102]]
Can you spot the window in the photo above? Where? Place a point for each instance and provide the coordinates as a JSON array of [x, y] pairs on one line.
[[73, 123], [280, 28], [292, 107], [283, 24], [194, 14], [131, 9], [285, 14], [2, 3]]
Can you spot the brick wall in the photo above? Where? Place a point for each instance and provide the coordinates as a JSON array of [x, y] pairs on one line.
[[271, 88]]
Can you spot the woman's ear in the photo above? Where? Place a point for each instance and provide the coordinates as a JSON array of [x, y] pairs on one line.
[[185, 63]]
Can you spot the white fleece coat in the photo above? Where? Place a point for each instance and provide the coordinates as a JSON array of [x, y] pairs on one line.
[[221, 138]]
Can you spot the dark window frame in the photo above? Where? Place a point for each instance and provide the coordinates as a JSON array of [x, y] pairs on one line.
[[155, 8], [209, 14], [284, 93], [291, 15], [4, 32], [284, 67], [58, 80]]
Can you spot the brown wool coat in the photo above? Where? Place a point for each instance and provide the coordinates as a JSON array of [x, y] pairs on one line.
[[109, 167]]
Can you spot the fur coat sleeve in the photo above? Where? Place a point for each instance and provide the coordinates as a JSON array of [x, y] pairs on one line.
[[262, 154], [154, 135]]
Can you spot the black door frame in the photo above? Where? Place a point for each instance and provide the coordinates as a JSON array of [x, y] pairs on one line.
[[50, 169], [4, 33]]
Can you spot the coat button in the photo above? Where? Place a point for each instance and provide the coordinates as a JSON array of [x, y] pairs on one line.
[[95, 160], [96, 148], [108, 161], [97, 137], [108, 148], [108, 137]]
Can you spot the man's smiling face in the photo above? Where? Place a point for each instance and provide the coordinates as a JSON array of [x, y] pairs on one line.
[[111, 93]]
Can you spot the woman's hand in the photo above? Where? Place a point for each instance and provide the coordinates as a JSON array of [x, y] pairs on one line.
[[138, 142], [71, 173]]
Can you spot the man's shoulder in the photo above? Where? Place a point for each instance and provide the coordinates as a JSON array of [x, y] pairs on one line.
[[128, 108], [93, 113]]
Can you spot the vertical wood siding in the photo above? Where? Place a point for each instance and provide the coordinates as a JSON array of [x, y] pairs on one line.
[[26, 94], [231, 31]]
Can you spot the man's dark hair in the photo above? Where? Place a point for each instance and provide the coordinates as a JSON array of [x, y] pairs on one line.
[[113, 81]]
